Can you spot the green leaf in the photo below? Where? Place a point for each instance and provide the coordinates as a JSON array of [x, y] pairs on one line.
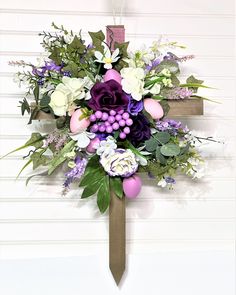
[[60, 157], [122, 48], [90, 190], [23, 168], [35, 140], [72, 67], [193, 80], [175, 81], [162, 137], [55, 55], [77, 45], [160, 157], [38, 159], [36, 92], [91, 176], [33, 114], [44, 103], [151, 144], [24, 106], [103, 195], [97, 38], [116, 186], [171, 65], [170, 150], [195, 85]]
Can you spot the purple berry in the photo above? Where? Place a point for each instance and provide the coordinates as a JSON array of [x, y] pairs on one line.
[[102, 128], [125, 116], [111, 119], [107, 123], [94, 128], [112, 113], [118, 117], [92, 118], [109, 129], [126, 130], [115, 126], [122, 135], [121, 112], [129, 122], [105, 116], [122, 123], [98, 114]]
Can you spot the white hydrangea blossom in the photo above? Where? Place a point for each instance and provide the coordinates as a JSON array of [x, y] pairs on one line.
[[65, 93], [133, 82]]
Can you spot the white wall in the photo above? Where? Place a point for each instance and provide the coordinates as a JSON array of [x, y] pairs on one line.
[[36, 221]]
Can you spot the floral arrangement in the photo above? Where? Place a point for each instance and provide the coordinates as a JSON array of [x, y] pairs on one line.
[[110, 108]]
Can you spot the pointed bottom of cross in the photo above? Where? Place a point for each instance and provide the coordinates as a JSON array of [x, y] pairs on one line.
[[117, 273]]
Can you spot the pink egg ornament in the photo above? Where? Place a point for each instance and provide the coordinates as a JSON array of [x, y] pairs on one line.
[[154, 108], [76, 124], [132, 186], [91, 148], [112, 75]]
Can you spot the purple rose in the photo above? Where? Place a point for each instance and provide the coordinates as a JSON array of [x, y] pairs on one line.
[[108, 96], [140, 130]]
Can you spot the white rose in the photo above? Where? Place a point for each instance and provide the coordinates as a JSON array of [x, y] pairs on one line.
[[121, 163]]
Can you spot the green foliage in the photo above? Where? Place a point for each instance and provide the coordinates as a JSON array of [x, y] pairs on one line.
[[157, 139], [116, 186], [123, 47], [97, 39], [61, 122], [36, 92], [56, 55], [44, 103], [24, 105], [170, 65], [159, 156], [103, 195], [60, 158], [162, 137], [38, 159], [151, 144], [36, 140], [96, 181], [193, 80], [72, 67], [170, 150], [76, 45]]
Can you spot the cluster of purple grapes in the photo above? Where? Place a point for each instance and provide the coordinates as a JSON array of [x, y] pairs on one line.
[[110, 122]]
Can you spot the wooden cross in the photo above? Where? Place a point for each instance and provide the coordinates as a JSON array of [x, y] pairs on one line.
[[117, 206]]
